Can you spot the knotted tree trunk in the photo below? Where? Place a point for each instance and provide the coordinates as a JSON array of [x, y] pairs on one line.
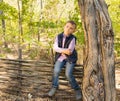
[[99, 68]]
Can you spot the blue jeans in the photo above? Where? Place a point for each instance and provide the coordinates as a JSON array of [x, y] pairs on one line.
[[68, 72]]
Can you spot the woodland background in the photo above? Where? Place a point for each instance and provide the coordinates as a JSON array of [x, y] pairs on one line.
[[28, 27]]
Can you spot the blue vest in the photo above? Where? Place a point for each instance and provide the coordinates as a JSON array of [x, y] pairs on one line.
[[70, 58]]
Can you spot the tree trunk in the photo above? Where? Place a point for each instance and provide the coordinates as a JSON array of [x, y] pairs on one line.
[[3, 28], [40, 19], [99, 67], [20, 29], [31, 19]]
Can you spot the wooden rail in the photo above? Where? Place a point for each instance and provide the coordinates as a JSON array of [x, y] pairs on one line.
[[28, 80]]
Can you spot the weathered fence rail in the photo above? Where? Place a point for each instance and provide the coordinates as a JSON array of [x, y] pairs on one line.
[[26, 80], [22, 80]]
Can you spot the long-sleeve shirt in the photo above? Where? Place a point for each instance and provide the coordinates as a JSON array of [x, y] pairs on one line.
[[59, 49]]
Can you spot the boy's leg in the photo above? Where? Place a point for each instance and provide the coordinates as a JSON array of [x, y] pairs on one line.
[[71, 78], [55, 80], [57, 69], [69, 75]]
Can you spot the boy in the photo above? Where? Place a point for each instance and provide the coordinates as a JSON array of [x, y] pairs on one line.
[[64, 47]]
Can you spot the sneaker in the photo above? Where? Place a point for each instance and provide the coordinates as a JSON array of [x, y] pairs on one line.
[[78, 95], [52, 92]]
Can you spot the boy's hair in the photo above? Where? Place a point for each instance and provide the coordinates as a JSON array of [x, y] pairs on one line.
[[72, 22]]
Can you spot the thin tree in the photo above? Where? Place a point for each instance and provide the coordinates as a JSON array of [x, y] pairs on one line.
[[99, 66], [40, 19], [3, 27], [20, 28], [31, 13]]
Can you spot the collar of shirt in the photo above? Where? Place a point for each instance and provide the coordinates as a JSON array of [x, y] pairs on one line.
[[64, 35]]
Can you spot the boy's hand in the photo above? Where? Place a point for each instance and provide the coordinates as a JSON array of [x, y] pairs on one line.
[[63, 54], [67, 51]]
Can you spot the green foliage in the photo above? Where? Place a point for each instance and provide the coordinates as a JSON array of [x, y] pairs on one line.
[[9, 11], [46, 22], [114, 10]]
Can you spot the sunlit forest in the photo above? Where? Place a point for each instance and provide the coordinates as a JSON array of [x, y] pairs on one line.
[[28, 27], [27, 32]]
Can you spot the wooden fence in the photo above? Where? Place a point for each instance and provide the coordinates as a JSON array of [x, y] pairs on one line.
[[31, 80]]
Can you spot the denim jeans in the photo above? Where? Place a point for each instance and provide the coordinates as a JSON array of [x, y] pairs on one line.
[[68, 72]]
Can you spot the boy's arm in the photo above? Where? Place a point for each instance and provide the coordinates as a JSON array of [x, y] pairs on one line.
[[72, 45], [68, 50], [56, 48]]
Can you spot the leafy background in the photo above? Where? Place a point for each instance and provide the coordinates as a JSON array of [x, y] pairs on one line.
[[41, 21]]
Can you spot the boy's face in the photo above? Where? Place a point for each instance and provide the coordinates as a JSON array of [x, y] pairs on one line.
[[69, 29]]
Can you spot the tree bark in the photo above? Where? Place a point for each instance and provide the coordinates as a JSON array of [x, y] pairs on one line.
[[40, 20], [20, 29], [99, 66], [3, 28]]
